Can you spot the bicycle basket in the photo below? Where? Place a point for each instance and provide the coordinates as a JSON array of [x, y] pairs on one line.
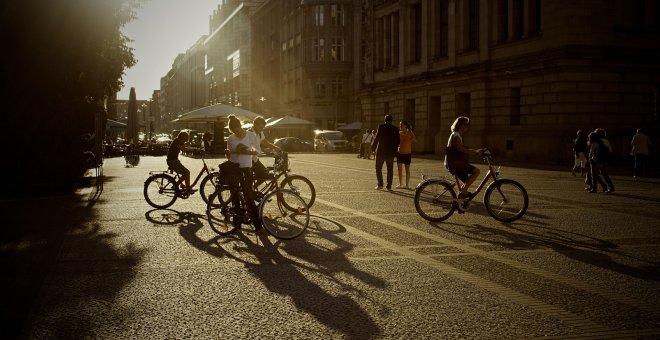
[[281, 162], [228, 173]]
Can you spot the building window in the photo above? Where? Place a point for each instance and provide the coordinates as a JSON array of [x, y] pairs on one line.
[[337, 49], [518, 19], [337, 15], [416, 32], [473, 22], [535, 18], [318, 49], [503, 20], [442, 20], [318, 15], [337, 87], [515, 107], [320, 88]]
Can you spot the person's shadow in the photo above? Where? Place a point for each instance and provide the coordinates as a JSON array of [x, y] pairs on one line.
[[287, 275]]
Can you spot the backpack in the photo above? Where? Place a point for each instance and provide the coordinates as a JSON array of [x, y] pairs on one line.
[[603, 153]]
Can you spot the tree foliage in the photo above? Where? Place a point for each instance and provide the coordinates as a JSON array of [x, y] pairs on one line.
[[61, 60]]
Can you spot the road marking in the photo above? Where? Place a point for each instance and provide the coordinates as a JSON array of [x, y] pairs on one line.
[[608, 295]]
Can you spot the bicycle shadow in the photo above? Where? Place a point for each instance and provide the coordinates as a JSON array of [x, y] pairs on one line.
[[580, 247], [288, 275]]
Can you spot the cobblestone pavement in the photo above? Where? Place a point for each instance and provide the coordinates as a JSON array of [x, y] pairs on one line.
[[106, 265]]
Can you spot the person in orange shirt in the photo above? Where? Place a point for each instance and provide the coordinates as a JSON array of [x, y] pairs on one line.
[[404, 156]]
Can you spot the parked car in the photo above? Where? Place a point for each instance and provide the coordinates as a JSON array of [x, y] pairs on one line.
[[293, 144], [329, 140]]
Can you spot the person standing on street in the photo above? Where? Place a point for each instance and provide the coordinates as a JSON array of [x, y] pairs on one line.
[[385, 144], [604, 158], [404, 156], [258, 169], [581, 150], [640, 150]]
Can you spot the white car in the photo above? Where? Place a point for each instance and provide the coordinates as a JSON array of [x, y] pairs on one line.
[[329, 140]]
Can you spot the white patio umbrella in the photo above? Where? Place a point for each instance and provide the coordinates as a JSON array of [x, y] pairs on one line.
[[212, 113]]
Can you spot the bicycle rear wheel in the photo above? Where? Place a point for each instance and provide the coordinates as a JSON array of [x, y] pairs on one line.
[[160, 191], [506, 200], [219, 214], [434, 200], [301, 186], [284, 214]]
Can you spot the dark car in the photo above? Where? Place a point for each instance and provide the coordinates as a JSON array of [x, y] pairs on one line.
[[293, 144]]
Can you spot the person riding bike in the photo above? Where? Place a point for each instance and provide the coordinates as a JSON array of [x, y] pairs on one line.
[[174, 163], [457, 156]]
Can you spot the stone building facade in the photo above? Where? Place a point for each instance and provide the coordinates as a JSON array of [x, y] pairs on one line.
[[303, 60], [529, 73]]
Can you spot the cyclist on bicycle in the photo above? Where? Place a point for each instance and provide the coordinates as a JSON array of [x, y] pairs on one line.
[[241, 147], [457, 156], [258, 168], [174, 163]]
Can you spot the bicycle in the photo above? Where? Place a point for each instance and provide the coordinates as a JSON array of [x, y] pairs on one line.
[[280, 172], [162, 188], [283, 213], [505, 199]]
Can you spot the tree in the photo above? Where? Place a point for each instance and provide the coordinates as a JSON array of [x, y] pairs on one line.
[[60, 62]]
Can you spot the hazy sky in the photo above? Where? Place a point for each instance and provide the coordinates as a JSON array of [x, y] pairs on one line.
[[163, 29]]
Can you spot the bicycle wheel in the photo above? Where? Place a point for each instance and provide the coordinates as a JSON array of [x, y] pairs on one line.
[[301, 186], [160, 191], [279, 219], [208, 184], [219, 215], [506, 200], [434, 200]]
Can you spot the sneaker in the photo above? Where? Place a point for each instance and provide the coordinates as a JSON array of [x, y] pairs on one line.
[[609, 190], [400, 187], [389, 188], [380, 187]]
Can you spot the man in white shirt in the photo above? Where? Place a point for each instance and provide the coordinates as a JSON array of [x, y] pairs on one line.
[[258, 168]]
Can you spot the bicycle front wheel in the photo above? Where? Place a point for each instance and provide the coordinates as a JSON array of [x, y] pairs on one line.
[[434, 200], [301, 186], [219, 214], [208, 185], [280, 218], [506, 200], [160, 191]]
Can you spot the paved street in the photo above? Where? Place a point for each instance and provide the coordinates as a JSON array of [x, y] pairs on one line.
[[107, 265]]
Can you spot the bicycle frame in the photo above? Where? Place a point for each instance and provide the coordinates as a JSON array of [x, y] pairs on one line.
[[491, 173], [178, 178]]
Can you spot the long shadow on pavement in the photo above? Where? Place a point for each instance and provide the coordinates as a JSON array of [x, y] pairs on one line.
[[48, 247], [284, 275]]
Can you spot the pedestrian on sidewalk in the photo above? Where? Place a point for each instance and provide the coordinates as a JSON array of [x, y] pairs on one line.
[[640, 150], [604, 158], [595, 147], [385, 144], [581, 150], [404, 156]]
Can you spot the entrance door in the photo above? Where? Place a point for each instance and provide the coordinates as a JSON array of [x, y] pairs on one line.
[[434, 123]]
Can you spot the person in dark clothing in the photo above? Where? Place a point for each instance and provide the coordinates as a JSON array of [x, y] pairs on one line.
[[605, 143], [581, 150], [385, 145], [594, 177], [173, 159]]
